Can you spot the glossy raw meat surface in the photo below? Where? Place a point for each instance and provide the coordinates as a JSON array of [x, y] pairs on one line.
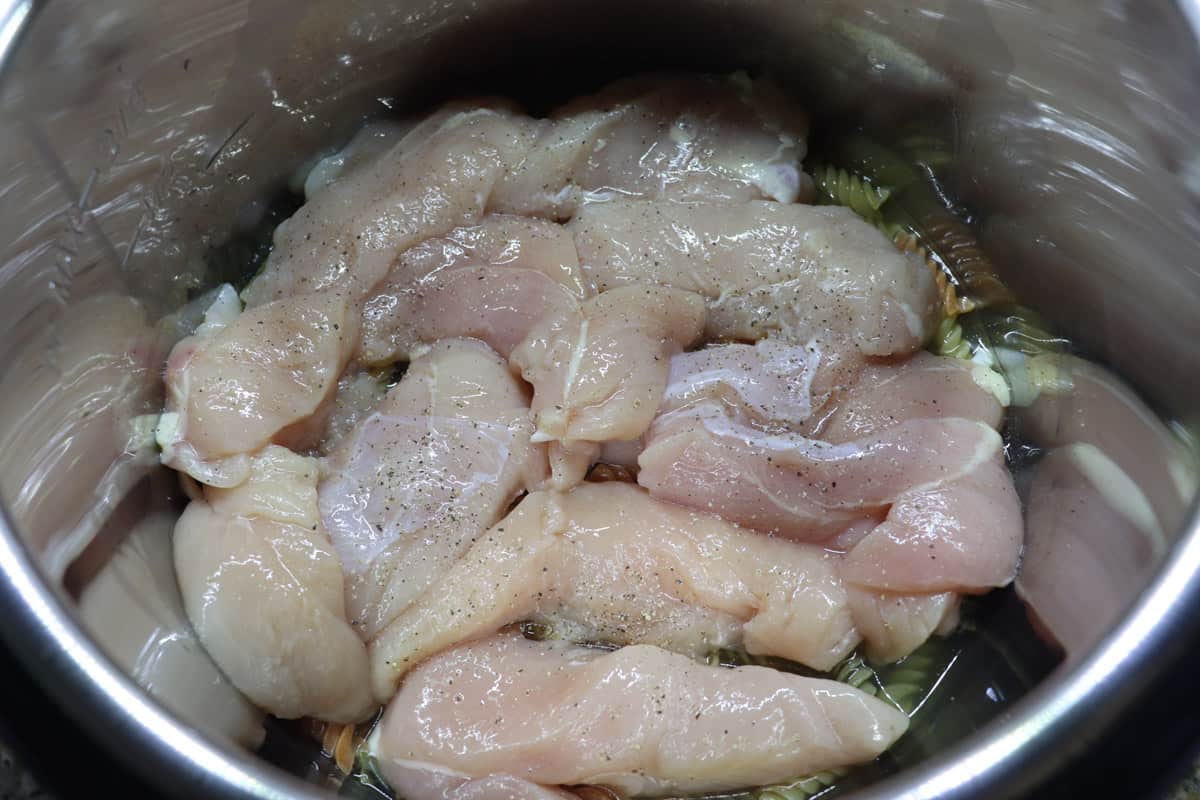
[[435, 178], [908, 444], [235, 387], [611, 564], [799, 487], [416, 482], [797, 272], [641, 720], [491, 281], [263, 589], [635, 281], [676, 137], [598, 372]]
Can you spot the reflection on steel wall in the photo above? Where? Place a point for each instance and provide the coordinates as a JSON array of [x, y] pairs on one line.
[[136, 135]]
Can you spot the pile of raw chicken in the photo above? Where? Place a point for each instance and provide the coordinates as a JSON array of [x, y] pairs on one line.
[[635, 282]]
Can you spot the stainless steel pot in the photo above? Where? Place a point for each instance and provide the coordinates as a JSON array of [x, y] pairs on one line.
[[137, 136]]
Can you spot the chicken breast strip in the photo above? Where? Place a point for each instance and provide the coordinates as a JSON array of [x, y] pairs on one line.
[[905, 457], [598, 372], [802, 488], [263, 587], [668, 136], [439, 175], [608, 563], [248, 379], [672, 137], [415, 484], [491, 281], [793, 271], [640, 720]]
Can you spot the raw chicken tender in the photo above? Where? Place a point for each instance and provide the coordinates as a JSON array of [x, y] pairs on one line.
[[599, 372], [263, 589], [806, 483], [614, 565], [894, 625], [798, 272], [963, 534], [257, 378], [640, 720], [436, 178], [922, 387], [772, 385], [415, 483], [794, 486], [682, 137], [909, 445], [491, 281]]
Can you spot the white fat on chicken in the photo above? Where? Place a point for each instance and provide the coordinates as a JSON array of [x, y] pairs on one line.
[[263, 589], [252, 379], [490, 281], [414, 484], [598, 372], [639, 720], [609, 563], [679, 137], [797, 272]]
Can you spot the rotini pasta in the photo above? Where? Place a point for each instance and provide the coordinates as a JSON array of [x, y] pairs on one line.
[[948, 340], [841, 188], [951, 304], [801, 789], [914, 204], [958, 250]]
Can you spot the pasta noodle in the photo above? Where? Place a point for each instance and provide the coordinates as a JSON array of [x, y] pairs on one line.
[[841, 188]]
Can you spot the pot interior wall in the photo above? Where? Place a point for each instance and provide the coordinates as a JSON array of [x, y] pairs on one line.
[[139, 139]]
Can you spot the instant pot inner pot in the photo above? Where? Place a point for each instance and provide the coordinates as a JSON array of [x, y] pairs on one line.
[[166, 141]]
